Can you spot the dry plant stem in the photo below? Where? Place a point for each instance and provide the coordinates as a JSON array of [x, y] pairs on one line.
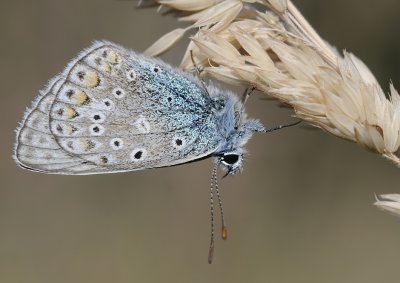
[[276, 50]]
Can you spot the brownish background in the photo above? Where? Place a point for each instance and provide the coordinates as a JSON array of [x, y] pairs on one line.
[[300, 212]]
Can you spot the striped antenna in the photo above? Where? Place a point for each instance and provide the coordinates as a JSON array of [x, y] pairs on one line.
[[224, 230]]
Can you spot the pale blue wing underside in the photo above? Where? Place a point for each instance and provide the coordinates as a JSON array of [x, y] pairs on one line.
[[113, 110]]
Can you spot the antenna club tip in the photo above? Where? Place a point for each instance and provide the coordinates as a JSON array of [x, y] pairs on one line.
[[224, 233], [211, 252]]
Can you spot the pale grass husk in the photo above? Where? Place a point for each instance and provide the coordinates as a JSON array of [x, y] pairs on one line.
[[389, 203], [278, 52]]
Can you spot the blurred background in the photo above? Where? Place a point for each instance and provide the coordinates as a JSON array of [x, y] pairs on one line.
[[300, 212]]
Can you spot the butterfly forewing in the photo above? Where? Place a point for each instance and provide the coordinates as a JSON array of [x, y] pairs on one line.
[[113, 110]]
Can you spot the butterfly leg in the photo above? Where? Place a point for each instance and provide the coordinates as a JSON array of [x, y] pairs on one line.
[[198, 73], [197, 68], [246, 94]]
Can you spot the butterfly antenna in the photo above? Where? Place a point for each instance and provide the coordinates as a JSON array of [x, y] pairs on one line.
[[211, 248], [224, 231], [279, 127]]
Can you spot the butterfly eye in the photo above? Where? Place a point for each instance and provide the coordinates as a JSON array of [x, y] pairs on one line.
[[230, 159]]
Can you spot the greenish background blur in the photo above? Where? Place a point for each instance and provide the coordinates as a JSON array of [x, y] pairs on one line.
[[300, 212]]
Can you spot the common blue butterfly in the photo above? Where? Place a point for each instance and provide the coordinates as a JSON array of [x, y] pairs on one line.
[[113, 110]]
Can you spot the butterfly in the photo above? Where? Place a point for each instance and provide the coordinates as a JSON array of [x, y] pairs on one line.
[[113, 110]]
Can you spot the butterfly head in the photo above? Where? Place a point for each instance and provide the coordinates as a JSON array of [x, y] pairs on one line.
[[231, 155], [235, 130]]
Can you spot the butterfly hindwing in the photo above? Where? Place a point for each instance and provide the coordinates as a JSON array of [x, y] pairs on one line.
[[37, 148]]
